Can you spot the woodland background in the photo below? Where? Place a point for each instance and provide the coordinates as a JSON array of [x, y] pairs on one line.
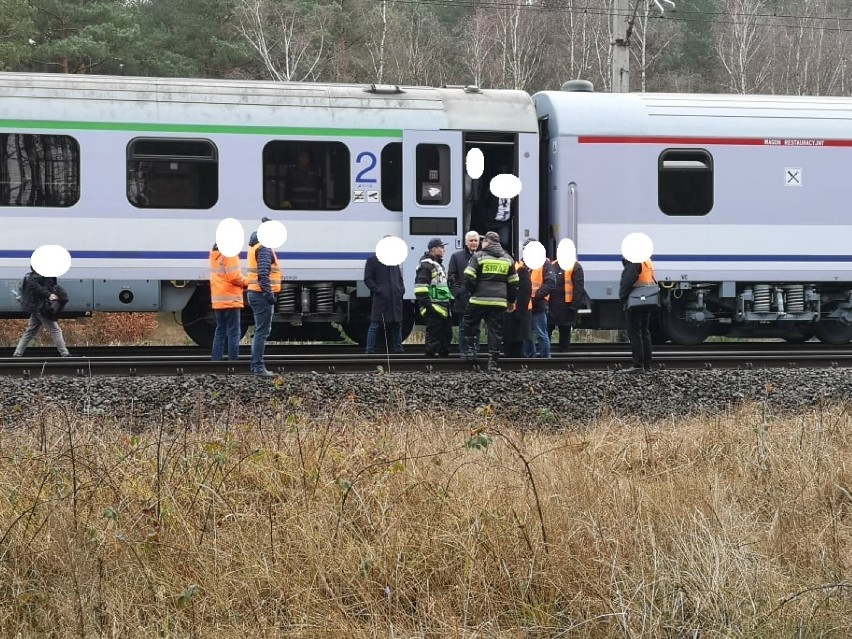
[[740, 46]]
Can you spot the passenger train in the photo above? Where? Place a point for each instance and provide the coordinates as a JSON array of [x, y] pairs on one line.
[[743, 196]]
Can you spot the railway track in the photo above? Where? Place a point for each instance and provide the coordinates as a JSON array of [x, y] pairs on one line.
[[143, 361]]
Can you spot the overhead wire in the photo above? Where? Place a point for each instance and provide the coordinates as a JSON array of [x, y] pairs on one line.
[[676, 15]]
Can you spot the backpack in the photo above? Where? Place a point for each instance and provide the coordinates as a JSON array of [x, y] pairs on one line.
[[19, 293]]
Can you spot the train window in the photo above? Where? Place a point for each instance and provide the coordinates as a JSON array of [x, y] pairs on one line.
[[392, 176], [39, 170], [432, 171], [685, 181], [306, 176], [164, 173]]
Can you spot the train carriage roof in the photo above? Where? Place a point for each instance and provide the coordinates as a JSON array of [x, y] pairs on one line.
[[111, 99], [572, 113]]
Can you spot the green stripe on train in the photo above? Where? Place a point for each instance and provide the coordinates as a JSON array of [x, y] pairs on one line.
[[148, 127]]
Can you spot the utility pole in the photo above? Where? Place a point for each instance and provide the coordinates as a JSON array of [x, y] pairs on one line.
[[620, 46]]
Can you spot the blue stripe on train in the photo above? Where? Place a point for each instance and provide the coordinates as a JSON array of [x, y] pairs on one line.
[[592, 257], [183, 255], [724, 258]]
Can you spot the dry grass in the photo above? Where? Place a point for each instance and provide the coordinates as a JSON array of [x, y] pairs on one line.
[[107, 329], [740, 526]]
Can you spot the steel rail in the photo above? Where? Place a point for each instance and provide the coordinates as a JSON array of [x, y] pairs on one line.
[[132, 352], [31, 367]]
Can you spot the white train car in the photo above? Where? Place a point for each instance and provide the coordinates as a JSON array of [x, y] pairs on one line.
[[133, 175], [744, 198]]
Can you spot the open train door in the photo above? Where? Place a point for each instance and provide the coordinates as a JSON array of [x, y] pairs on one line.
[[432, 185]]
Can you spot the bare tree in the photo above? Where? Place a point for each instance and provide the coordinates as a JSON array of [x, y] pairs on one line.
[[580, 45], [288, 42], [521, 36], [647, 52], [811, 57], [741, 43], [478, 45]]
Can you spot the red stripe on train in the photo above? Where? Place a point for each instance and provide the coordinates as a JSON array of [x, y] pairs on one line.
[[785, 142]]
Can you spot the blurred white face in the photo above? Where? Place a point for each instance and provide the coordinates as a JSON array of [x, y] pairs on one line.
[[473, 243]]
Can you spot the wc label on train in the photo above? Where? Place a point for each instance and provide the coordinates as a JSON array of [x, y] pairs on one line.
[[793, 176]]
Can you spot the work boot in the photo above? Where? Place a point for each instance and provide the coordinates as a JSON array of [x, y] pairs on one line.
[[470, 350], [492, 363]]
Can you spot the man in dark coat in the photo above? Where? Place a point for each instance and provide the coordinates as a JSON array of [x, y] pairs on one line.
[[36, 292], [455, 275], [387, 288]]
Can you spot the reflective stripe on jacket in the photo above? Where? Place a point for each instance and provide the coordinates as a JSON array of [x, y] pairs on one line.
[[493, 277], [431, 288], [226, 281], [646, 277], [254, 276]]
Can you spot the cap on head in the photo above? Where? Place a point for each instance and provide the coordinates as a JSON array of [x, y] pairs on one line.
[[528, 240], [435, 242], [491, 236]]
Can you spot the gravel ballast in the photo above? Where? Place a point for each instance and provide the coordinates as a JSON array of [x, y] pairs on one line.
[[536, 398]]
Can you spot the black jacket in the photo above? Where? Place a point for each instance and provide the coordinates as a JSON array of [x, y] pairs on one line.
[[628, 278], [455, 275], [37, 291], [491, 277], [387, 286]]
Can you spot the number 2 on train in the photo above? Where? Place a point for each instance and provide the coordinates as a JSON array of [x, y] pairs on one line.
[[362, 178]]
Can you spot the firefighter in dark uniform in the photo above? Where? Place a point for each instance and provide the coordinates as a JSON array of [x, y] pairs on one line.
[[493, 284], [434, 297]]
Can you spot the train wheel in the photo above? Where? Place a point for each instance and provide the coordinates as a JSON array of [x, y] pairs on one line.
[[833, 332], [197, 318], [680, 331], [799, 336]]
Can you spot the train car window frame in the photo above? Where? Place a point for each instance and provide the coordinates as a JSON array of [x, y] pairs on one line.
[[160, 169], [45, 168], [391, 173], [432, 174], [685, 182], [328, 167]]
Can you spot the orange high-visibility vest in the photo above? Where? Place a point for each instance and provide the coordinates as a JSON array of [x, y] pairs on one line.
[[569, 286], [226, 281], [536, 278], [274, 271], [646, 277]]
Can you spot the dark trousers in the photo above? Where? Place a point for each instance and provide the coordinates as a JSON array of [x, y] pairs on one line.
[[493, 316], [564, 344], [439, 334], [227, 332], [462, 337], [639, 334]]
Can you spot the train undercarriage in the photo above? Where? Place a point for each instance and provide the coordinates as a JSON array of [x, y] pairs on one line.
[[690, 313], [796, 312], [315, 311]]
